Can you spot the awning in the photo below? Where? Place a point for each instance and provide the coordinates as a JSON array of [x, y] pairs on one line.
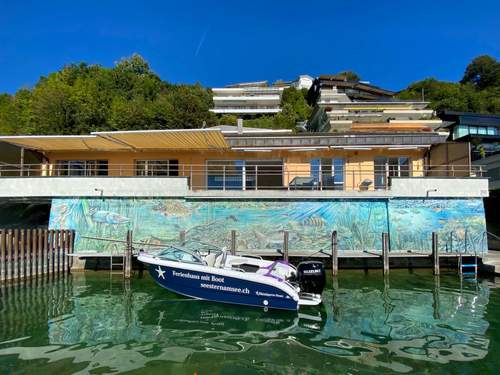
[[182, 139], [63, 142]]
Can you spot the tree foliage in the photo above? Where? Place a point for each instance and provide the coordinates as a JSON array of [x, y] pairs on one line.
[[478, 91], [82, 98], [349, 75]]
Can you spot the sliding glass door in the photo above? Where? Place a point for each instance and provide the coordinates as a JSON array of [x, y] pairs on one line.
[[244, 174], [390, 167], [328, 173]]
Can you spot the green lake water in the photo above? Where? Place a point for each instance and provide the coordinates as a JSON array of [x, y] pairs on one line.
[[411, 323]]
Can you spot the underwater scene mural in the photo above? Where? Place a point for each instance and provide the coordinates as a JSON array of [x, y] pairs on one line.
[[459, 223], [260, 225]]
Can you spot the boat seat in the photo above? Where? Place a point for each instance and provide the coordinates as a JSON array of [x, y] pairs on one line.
[[210, 259], [220, 260]]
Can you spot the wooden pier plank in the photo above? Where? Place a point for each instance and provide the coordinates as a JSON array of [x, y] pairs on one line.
[[22, 254], [39, 251], [28, 253], [15, 256]]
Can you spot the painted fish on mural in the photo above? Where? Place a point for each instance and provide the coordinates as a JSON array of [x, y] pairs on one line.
[[107, 217], [172, 208], [314, 221]]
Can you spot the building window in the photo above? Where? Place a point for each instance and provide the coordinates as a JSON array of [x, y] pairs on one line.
[[460, 131], [81, 168], [386, 167], [482, 130], [328, 173], [156, 167]]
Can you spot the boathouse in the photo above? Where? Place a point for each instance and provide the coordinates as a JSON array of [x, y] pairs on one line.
[[206, 183]]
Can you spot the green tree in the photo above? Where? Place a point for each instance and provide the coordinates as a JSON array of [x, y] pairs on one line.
[[483, 72], [82, 98], [349, 75]]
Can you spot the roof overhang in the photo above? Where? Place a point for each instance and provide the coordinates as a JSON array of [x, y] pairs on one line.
[[140, 140], [63, 142], [181, 139], [336, 141]]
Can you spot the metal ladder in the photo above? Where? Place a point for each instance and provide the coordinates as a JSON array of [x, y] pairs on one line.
[[468, 270], [112, 269]]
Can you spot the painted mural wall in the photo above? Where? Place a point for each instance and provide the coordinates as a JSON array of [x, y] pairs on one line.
[[260, 224]]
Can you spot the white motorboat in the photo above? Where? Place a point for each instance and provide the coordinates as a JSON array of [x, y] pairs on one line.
[[245, 280]]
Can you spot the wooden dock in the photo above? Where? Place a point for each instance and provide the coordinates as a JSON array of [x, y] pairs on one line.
[[28, 253]]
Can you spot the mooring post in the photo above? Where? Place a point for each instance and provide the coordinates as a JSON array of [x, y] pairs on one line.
[[335, 254], [3, 257], [127, 264], [435, 253], [71, 248], [435, 299], [233, 242], [285, 246], [385, 252], [182, 237]]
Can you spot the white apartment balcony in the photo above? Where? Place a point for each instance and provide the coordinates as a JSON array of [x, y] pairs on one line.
[[430, 123], [246, 110], [248, 91], [380, 106], [250, 98], [374, 116], [247, 101]]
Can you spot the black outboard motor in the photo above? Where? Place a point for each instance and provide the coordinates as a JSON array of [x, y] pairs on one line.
[[311, 276]]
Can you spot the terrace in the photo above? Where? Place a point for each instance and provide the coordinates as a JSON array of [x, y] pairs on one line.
[[225, 178]]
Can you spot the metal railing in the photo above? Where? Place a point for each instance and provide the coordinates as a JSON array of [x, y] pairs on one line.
[[254, 176]]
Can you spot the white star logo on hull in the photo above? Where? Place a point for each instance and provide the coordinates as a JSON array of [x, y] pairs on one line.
[[161, 273]]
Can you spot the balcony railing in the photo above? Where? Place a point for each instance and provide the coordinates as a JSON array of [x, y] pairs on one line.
[[252, 176]]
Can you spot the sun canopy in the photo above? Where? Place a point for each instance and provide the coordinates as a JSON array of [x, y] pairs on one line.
[[201, 139], [183, 139], [62, 142]]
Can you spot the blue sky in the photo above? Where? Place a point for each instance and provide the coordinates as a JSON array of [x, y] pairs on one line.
[[390, 43]]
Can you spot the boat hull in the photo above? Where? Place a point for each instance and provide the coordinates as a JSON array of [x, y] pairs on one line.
[[221, 288]]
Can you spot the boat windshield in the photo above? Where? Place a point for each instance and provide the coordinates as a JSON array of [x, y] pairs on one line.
[[179, 255]]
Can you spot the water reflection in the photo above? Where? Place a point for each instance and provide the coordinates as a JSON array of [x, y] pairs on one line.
[[409, 323]]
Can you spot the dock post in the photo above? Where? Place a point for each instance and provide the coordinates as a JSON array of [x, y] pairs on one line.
[[71, 248], [385, 252], [285, 246], [128, 256], [233, 242], [435, 253], [182, 237], [335, 254], [3, 257]]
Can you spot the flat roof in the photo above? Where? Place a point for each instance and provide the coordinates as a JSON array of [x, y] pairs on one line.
[[346, 140], [233, 129]]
